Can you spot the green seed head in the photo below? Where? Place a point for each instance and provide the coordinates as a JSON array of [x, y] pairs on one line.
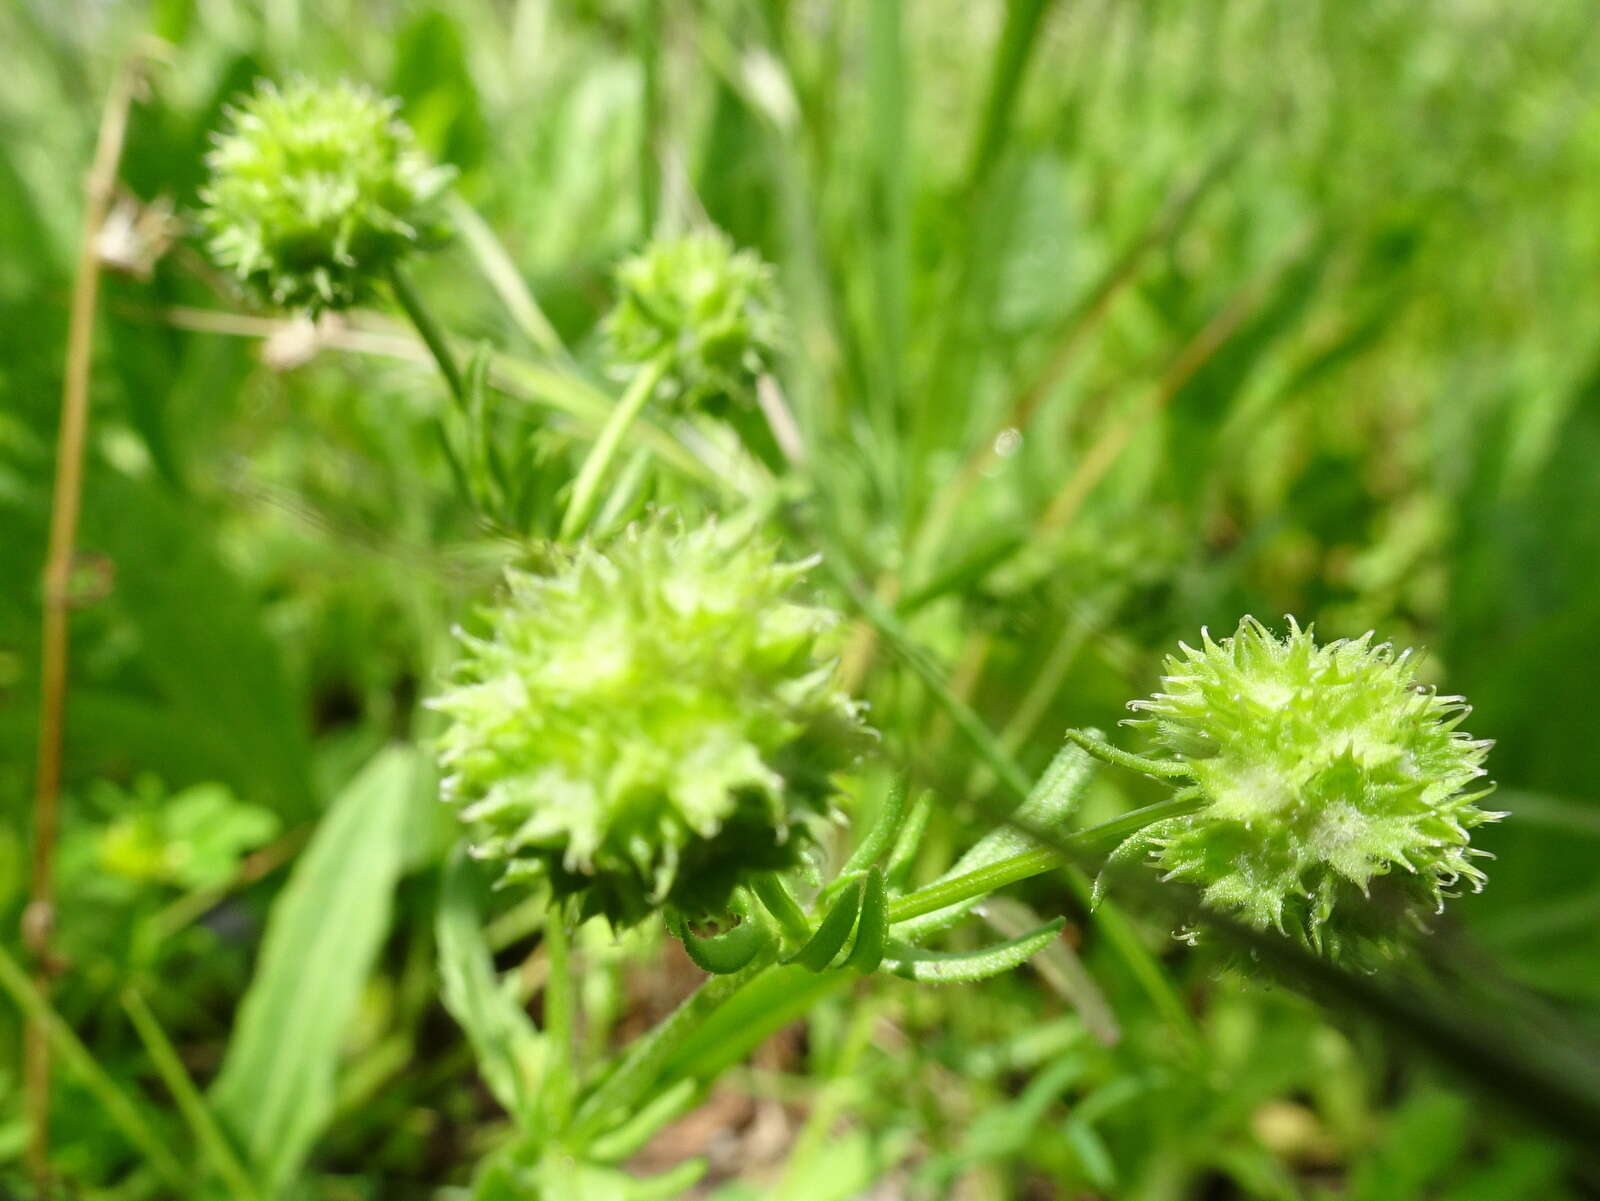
[[1320, 769], [315, 191], [648, 724], [707, 308]]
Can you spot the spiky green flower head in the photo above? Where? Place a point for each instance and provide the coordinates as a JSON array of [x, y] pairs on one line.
[[316, 190], [1333, 788], [650, 723], [705, 309]]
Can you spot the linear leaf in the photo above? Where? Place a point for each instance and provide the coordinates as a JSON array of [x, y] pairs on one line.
[[960, 967], [276, 1087], [832, 931], [509, 1049], [1047, 807], [873, 925]]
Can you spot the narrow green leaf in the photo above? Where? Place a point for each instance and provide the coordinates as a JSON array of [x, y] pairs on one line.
[[634, 1133], [509, 1050], [962, 967], [276, 1087], [832, 931], [873, 925], [904, 856], [1049, 804], [728, 952], [775, 896], [885, 830]]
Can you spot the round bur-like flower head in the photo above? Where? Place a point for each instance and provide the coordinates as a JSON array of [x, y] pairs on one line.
[[710, 311], [648, 724], [1319, 770], [315, 191]]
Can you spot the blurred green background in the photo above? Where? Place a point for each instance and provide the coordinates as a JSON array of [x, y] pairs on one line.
[[1115, 319]]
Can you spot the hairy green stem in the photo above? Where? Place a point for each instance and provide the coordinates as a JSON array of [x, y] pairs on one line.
[[1041, 859], [561, 1075], [1119, 935], [585, 491], [631, 1079], [432, 336]]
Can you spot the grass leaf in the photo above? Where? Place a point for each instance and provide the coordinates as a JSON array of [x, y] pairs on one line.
[[276, 1087]]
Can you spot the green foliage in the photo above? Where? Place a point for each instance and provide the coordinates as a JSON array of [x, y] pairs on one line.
[[651, 722], [276, 1086], [192, 839], [1319, 769], [316, 191], [511, 1053], [1092, 332]]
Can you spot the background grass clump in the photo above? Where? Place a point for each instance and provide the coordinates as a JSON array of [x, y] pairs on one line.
[[1105, 321]]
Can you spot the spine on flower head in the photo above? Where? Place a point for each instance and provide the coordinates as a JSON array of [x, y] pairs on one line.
[[1334, 794], [650, 723]]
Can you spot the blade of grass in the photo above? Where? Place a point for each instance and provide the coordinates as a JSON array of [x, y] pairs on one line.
[[647, 36], [504, 277], [1083, 319], [208, 1134], [118, 1106], [1103, 453]]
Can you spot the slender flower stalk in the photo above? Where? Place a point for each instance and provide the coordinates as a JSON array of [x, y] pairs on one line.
[[586, 488]]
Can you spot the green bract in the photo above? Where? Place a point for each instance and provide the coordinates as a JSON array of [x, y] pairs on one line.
[[709, 310], [315, 191], [648, 724], [1318, 769]]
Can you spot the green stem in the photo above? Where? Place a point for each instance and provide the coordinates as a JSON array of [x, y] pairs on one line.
[[585, 491], [1041, 859], [432, 335], [196, 1112], [633, 1077], [116, 1103], [631, 1080], [560, 1076], [1007, 770], [1107, 753]]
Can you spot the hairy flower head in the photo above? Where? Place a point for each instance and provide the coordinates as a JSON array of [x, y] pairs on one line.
[[707, 308], [649, 723], [1319, 770], [315, 191]]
